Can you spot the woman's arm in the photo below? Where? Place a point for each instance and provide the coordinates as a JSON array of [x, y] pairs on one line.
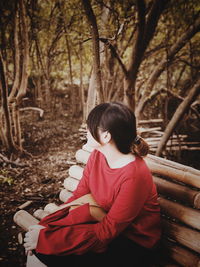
[[95, 210], [31, 237], [98, 213], [126, 207]]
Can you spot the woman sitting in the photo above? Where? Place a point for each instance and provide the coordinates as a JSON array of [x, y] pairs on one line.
[[114, 218]]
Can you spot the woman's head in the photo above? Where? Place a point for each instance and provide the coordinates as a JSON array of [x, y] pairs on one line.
[[119, 121]]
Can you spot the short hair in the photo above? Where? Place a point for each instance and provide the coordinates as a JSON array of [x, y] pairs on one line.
[[118, 120]]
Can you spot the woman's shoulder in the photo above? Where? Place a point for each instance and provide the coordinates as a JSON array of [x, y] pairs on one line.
[[95, 154], [138, 168]]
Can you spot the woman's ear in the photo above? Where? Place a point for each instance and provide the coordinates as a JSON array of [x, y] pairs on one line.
[[105, 137]]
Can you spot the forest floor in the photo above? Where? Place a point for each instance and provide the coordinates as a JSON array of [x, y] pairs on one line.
[[53, 143]]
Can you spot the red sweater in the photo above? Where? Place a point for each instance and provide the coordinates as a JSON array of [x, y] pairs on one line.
[[127, 194]]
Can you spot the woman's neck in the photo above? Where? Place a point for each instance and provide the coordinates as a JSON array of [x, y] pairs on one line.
[[114, 157]]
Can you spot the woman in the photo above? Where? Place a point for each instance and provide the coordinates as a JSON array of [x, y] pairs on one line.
[[115, 216]]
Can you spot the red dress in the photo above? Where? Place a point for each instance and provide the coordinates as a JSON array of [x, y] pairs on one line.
[[127, 194]]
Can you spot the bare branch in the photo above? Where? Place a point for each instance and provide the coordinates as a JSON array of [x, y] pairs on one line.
[[189, 64], [115, 54]]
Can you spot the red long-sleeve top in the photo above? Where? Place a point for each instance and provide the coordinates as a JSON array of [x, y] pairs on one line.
[[127, 194]]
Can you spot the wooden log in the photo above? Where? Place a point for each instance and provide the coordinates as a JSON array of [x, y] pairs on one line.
[[174, 143], [180, 175], [153, 139], [173, 139], [184, 214], [76, 171], [179, 172], [40, 214], [173, 164], [70, 183], [24, 219], [150, 121], [148, 130], [181, 255], [64, 195], [51, 207], [178, 192], [177, 148], [158, 133], [82, 156], [181, 234], [25, 205], [41, 111]]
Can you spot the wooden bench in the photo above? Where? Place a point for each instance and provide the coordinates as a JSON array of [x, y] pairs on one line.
[[179, 197]]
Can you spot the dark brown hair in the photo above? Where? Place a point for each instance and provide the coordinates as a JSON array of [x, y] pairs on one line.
[[120, 122]]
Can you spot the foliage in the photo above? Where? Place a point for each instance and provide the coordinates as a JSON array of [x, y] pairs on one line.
[[5, 178]]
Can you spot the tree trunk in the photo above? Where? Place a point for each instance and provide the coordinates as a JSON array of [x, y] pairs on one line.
[[17, 126], [95, 45], [5, 107], [2, 131], [82, 92], [92, 95], [25, 63], [21, 49], [42, 75], [145, 31], [15, 86], [24, 75], [137, 54], [178, 116], [73, 88]]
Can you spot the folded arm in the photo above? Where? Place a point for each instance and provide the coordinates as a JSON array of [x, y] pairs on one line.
[[95, 210]]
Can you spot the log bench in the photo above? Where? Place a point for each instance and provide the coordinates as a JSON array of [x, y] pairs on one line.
[[179, 197]]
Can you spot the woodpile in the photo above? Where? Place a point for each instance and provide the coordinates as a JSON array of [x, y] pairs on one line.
[[152, 131]]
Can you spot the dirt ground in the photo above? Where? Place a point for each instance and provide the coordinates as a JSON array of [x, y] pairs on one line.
[[53, 143]]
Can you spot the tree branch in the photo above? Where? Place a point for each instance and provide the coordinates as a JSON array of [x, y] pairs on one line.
[[115, 54], [178, 116], [189, 64]]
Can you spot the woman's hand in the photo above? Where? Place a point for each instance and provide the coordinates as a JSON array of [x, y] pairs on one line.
[[31, 237]]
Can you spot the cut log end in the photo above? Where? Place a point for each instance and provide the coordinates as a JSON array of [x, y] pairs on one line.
[[197, 201], [24, 219]]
